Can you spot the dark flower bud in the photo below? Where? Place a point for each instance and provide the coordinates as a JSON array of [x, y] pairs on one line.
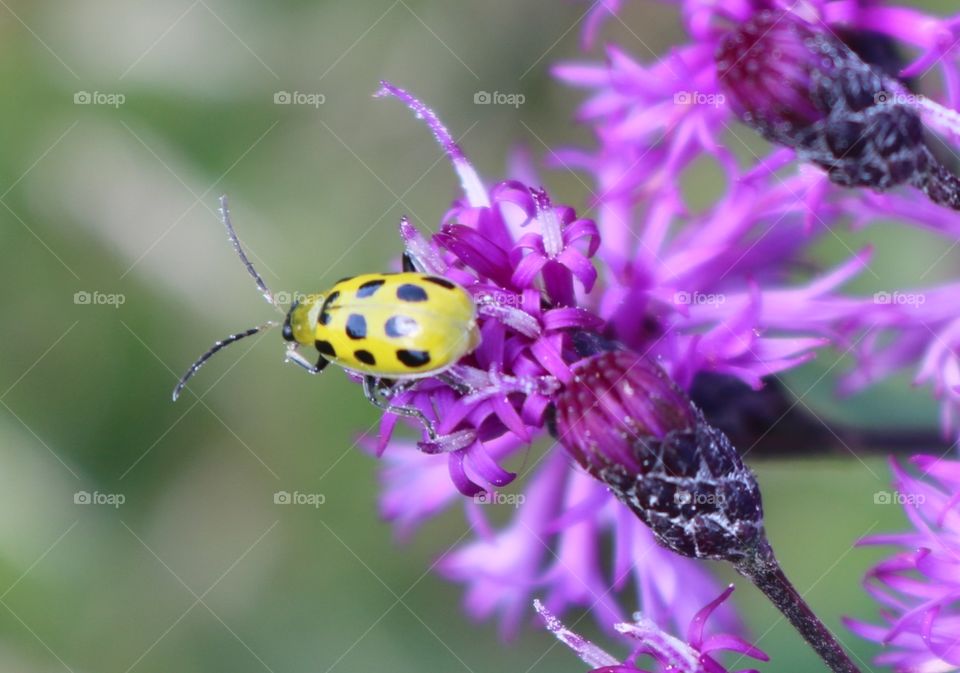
[[804, 88], [630, 426]]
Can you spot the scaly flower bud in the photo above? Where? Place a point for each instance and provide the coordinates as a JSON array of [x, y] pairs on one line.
[[805, 89], [630, 426]]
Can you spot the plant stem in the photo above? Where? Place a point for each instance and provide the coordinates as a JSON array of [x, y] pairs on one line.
[[763, 569]]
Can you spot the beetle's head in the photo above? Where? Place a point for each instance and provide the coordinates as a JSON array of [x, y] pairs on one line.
[[300, 323]]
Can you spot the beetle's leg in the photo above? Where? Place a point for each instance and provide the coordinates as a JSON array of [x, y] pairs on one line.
[[380, 396], [293, 355], [455, 382], [408, 264], [477, 384]]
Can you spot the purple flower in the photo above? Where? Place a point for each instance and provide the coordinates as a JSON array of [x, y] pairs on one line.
[[918, 588], [697, 291], [723, 286], [523, 259], [667, 653], [697, 288], [528, 264], [702, 287]]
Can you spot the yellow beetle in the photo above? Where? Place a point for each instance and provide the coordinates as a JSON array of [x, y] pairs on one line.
[[390, 325], [391, 328]]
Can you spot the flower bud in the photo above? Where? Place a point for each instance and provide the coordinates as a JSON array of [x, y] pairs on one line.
[[804, 88], [630, 426]]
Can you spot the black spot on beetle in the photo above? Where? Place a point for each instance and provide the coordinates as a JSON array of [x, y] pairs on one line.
[[332, 297], [325, 348], [413, 358], [324, 316], [344, 279], [400, 326], [366, 357], [356, 326], [410, 292], [368, 288], [442, 282]]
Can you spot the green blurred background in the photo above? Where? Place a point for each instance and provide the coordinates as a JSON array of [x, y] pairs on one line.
[[198, 569]]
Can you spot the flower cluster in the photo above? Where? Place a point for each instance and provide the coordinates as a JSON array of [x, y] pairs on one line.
[[723, 287], [836, 97], [527, 263], [919, 586]]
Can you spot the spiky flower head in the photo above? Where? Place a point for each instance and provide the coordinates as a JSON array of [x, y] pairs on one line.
[[529, 264], [918, 587], [714, 297]]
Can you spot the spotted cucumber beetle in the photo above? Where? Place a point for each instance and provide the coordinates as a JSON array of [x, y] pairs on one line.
[[390, 328]]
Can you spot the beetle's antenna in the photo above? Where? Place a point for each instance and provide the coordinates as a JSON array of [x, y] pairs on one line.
[[217, 347], [261, 284]]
